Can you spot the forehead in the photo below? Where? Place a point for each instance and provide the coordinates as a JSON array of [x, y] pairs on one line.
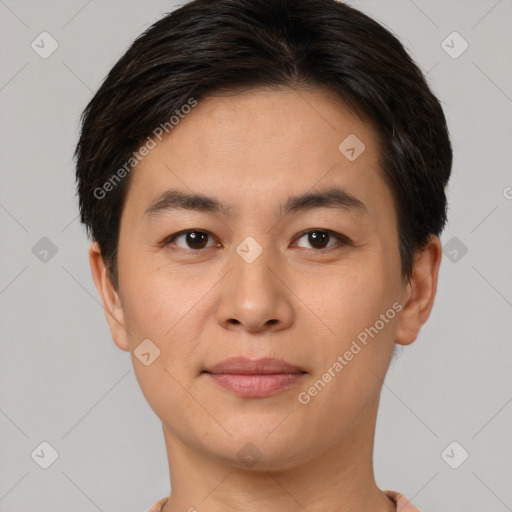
[[260, 147]]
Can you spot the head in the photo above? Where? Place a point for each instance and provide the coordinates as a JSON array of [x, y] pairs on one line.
[[264, 178]]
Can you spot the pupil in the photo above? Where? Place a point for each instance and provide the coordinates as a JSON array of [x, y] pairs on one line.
[[196, 236], [316, 236]]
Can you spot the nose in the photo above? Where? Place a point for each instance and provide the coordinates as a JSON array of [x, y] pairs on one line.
[[254, 295]]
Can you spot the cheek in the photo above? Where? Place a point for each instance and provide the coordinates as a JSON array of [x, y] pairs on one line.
[[155, 308], [158, 309], [154, 301], [166, 311], [351, 303], [353, 298]]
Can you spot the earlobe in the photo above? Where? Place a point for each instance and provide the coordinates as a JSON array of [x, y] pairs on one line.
[[110, 299], [420, 292]]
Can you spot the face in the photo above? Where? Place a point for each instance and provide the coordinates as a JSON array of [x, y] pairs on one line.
[[294, 257]]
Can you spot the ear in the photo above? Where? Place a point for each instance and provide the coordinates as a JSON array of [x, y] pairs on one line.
[[421, 290], [112, 306]]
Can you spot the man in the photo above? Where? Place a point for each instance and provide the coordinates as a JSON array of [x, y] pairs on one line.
[[264, 184]]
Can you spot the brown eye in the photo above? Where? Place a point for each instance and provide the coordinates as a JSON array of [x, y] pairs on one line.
[[319, 238], [193, 239]]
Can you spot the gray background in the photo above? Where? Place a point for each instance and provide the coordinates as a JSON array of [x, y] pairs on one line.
[[63, 381]]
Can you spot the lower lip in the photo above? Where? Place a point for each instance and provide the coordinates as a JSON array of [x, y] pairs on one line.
[[255, 386]]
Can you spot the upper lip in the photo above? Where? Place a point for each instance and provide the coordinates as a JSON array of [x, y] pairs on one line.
[[245, 366]]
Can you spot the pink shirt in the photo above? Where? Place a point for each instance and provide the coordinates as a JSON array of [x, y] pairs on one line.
[[402, 503]]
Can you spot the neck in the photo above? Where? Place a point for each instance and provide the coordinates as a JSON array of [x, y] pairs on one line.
[[340, 478]]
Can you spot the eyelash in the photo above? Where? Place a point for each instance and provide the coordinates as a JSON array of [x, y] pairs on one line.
[[342, 239]]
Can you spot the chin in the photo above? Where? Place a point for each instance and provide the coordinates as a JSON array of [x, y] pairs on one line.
[[258, 450]]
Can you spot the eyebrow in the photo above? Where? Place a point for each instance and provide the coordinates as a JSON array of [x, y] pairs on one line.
[[332, 197]]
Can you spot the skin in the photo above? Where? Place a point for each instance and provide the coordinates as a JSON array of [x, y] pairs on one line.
[[252, 150]]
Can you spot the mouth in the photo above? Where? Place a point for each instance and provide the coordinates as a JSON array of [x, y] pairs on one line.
[[254, 378]]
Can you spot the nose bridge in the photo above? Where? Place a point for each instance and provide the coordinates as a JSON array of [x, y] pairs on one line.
[[252, 260], [252, 295]]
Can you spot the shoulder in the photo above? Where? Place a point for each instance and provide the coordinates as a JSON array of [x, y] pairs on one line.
[[157, 507], [402, 503]]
